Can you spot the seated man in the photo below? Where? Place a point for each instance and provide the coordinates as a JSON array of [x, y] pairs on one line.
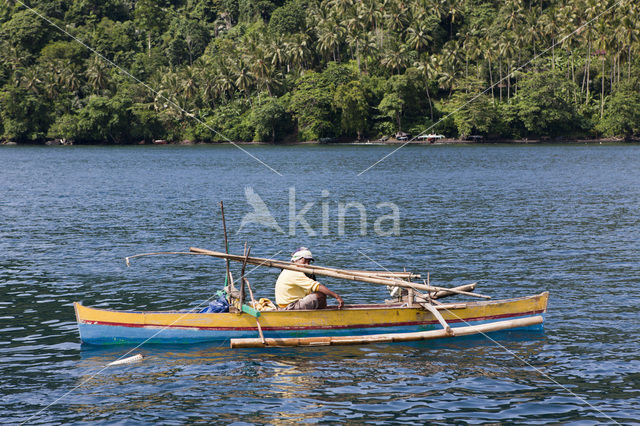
[[297, 290]]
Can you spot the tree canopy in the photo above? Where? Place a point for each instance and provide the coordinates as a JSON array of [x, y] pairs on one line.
[[274, 70]]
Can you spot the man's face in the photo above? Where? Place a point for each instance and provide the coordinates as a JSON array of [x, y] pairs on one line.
[[303, 261]]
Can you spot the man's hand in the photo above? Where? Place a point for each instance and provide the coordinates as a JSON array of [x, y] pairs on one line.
[[324, 290]]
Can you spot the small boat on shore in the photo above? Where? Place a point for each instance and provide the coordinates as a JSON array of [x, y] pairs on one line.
[[415, 314]]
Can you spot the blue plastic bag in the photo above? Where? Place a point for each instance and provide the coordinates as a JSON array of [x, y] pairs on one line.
[[217, 306]]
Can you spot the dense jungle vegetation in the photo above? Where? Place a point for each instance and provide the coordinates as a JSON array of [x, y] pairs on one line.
[[263, 70]]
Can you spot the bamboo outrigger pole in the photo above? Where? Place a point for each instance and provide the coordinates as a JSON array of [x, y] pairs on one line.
[[330, 272], [387, 338]]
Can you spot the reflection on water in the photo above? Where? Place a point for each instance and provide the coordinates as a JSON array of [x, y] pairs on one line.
[[397, 381]]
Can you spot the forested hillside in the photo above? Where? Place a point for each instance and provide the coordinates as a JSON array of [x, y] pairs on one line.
[[307, 69]]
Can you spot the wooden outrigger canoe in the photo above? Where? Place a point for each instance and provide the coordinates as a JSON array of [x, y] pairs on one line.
[[352, 324], [416, 316]]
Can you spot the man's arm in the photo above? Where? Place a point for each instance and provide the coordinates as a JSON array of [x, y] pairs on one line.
[[324, 290]]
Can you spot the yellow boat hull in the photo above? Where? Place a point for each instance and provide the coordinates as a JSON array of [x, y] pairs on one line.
[[101, 326]]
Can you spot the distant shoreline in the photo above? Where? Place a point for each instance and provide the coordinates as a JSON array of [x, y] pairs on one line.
[[391, 142]]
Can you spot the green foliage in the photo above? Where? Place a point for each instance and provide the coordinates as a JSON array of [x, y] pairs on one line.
[[115, 40], [146, 124], [472, 113], [229, 123], [231, 9], [149, 16], [64, 127], [67, 50], [311, 104], [391, 107], [404, 99], [206, 10], [288, 19], [313, 98], [270, 119], [24, 115], [271, 69], [102, 119], [622, 113], [544, 104], [252, 9], [350, 99], [92, 11], [185, 40], [26, 32]]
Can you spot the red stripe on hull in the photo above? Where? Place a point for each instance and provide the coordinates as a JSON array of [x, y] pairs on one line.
[[329, 327]]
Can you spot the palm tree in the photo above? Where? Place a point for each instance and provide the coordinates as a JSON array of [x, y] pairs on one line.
[[189, 90], [454, 10], [297, 47], [549, 25], [429, 68], [397, 17], [591, 11], [630, 30], [342, 6], [277, 51], [97, 74], [267, 77], [224, 82], [12, 56], [418, 37], [329, 38], [395, 59], [244, 78], [50, 85], [371, 11], [489, 52], [449, 57], [30, 80], [369, 49], [68, 77]]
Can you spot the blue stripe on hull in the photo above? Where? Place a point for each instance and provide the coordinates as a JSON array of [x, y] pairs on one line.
[[111, 334]]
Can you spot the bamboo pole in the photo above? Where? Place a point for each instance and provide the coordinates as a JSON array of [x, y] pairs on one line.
[[244, 281], [226, 245], [385, 274], [388, 338], [382, 274], [334, 273], [309, 269], [244, 265], [441, 294]]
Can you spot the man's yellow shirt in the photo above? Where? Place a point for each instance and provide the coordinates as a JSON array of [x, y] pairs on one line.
[[292, 286]]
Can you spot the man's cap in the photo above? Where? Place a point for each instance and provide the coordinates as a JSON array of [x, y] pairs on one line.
[[300, 253]]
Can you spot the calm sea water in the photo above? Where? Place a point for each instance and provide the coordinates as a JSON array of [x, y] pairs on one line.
[[520, 220]]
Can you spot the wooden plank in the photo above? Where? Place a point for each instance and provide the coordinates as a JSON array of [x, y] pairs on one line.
[[387, 338], [251, 311]]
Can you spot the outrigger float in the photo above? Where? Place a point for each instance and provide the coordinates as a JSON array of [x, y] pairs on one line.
[[415, 313]]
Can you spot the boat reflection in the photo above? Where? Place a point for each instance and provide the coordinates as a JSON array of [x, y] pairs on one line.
[[295, 384]]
